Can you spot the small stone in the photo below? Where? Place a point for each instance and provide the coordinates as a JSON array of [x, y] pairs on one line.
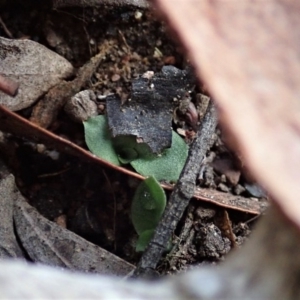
[[101, 107], [223, 187], [61, 221], [40, 148], [205, 213], [223, 178], [238, 189], [82, 106], [115, 77], [138, 15]]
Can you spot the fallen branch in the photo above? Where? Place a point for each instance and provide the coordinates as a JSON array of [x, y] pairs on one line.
[[181, 195]]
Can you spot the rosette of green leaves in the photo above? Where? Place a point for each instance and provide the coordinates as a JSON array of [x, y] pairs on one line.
[[126, 149]]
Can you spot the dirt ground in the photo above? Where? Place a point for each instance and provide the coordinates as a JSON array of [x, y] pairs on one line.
[[94, 201]]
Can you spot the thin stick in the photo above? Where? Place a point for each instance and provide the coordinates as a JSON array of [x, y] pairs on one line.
[[180, 197]]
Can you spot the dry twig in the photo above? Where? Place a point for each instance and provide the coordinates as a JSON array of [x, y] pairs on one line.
[[181, 195]]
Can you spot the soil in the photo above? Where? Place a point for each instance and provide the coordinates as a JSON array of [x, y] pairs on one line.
[[94, 201]]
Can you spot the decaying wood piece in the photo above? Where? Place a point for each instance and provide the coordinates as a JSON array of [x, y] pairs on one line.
[[152, 98]]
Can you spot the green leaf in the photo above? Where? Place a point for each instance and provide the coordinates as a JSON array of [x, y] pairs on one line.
[[148, 205], [128, 149], [98, 139], [144, 240], [168, 165], [125, 149]]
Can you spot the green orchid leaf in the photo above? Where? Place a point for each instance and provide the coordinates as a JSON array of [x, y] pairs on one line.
[[129, 149], [126, 149], [166, 166], [148, 205], [98, 139], [144, 240], [126, 155]]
